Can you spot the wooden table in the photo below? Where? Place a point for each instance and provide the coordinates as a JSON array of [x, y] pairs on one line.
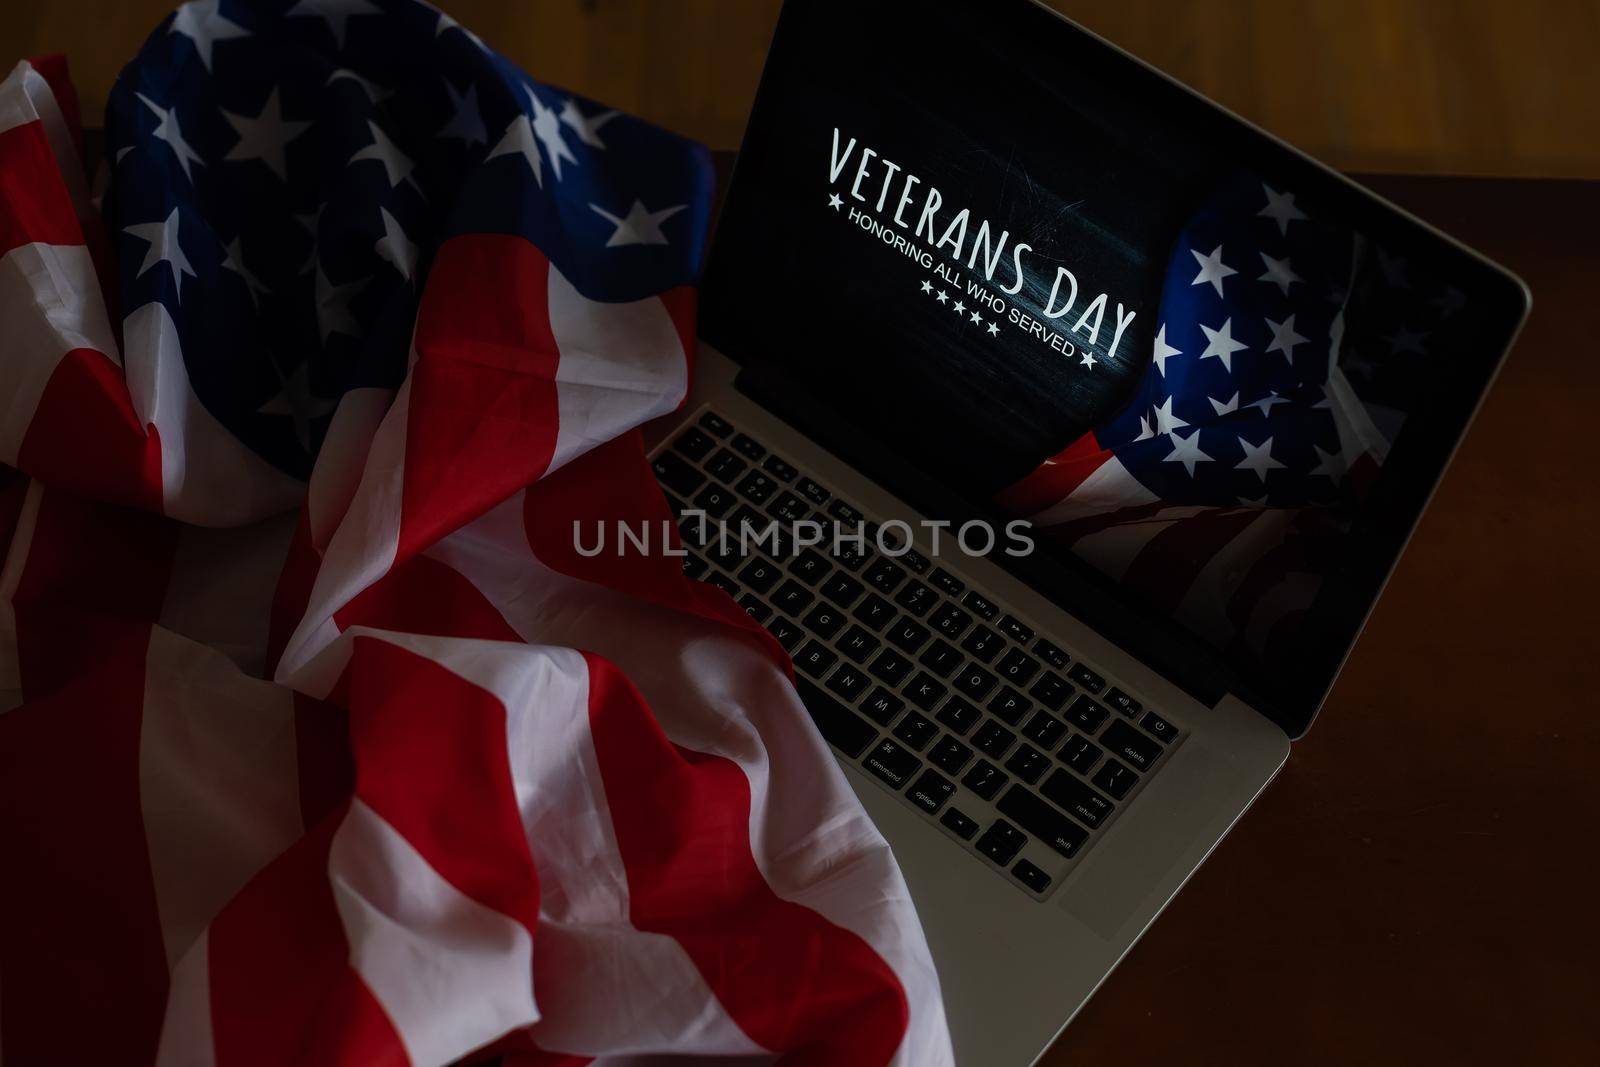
[[1418, 885]]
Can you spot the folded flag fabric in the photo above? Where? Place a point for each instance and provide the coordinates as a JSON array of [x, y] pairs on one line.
[[323, 744]]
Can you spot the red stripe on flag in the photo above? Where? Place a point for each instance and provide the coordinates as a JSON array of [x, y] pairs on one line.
[[424, 596], [86, 437], [1055, 479], [34, 204], [85, 971], [482, 417], [282, 988], [53, 69], [793, 981], [1165, 569]]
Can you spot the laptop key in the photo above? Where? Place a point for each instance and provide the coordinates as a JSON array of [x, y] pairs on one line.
[[1122, 702], [874, 612], [756, 487], [779, 469], [747, 446], [940, 658], [950, 621], [915, 730], [1079, 753], [981, 606], [844, 512], [931, 791], [1051, 654], [694, 566], [675, 472], [849, 681], [1051, 690], [786, 631], [1028, 763], [848, 554], [882, 706], [959, 716], [792, 597], [715, 500], [915, 560], [716, 424], [812, 491], [816, 658], [1042, 821], [1017, 667], [985, 779], [950, 755], [1157, 727], [975, 681], [891, 667], [1131, 745], [760, 575], [924, 691], [722, 582], [908, 635], [1044, 730], [1067, 792], [892, 762], [1010, 705], [1030, 876], [1016, 629], [842, 589], [884, 575], [1001, 842], [839, 726], [1086, 715], [825, 621], [725, 466], [1115, 779], [1088, 679], [959, 823], [949, 583], [788, 507], [695, 443], [916, 598], [858, 644], [755, 608], [992, 739], [984, 644]]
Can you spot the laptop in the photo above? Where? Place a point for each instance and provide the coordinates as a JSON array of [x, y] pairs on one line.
[[1078, 424]]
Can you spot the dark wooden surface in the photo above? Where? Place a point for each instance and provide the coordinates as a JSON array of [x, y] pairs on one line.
[[1418, 885]]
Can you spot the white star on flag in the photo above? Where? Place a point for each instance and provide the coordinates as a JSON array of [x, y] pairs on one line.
[[1406, 340], [640, 226], [296, 401], [265, 136], [394, 247], [547, 128], [376, 93], [1225, 407], [198, 20], [397, 165], [1212, 269], [1279, 273], [234, 261], [336, 13], [167, 130], [1284, 338], [1264, 405], [518, 141], [1166, 421], [1257, 458], [1280, 209], [333, 306], [1186, 450], [586, 127], [447, 23], [164, 248], [466, 121], [1330, 465], [1163, 350], [1220, 343]]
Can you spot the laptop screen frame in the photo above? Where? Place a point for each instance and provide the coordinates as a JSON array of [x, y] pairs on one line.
[[1407, 480]]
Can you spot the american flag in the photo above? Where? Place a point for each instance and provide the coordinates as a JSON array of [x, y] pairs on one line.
[[322, 743], [1286, 349]]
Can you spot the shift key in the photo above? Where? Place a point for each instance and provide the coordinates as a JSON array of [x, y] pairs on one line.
[[1043, 821], [839, 726]]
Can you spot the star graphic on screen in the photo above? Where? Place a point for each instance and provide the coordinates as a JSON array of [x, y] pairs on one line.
[[1186, 450], [1257, 458], [834, 201], [977, 320], [1086, 358], [994, 331], [927, 286], [1212, 269], [1280, 209], [961, 309], [942, 297]]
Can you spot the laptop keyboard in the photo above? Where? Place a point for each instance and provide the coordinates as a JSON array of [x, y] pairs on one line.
[[1018, 751]]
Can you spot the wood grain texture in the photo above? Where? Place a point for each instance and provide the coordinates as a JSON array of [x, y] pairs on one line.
[[1441, 86]]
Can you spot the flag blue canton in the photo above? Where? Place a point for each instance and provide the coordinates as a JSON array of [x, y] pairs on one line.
[[1234, 407], [282, 173]]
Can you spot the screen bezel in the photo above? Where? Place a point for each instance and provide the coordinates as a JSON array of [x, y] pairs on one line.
[[1411, 472]]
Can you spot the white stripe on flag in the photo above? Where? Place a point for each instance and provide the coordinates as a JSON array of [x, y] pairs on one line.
[[186, 1036], [25, 96], [10, 576], [1109, 488]]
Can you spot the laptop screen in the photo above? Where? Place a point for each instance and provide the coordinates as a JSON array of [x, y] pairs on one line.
[[1017, 261]]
